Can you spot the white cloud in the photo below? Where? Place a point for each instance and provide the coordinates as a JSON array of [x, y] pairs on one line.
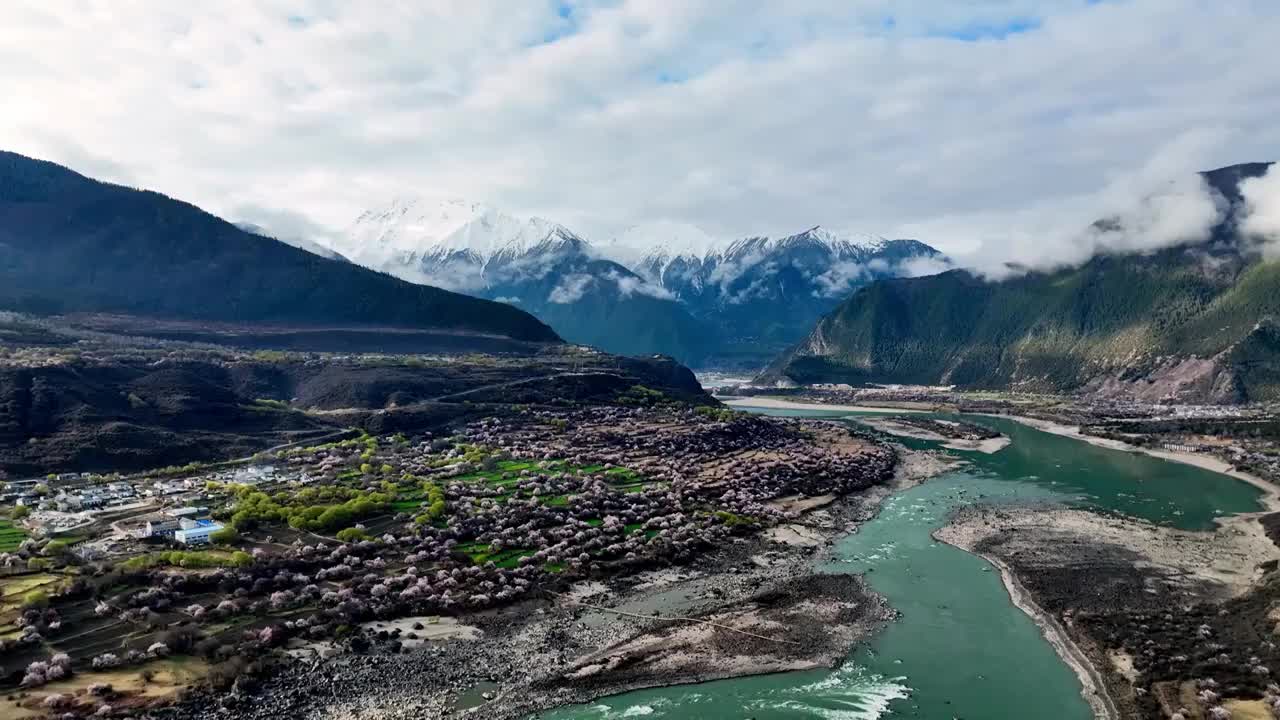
[[836, 281], [1161, 204], [763, 119], [628, 285], [1262, 208], [921, 266], [570, 289], [918, 266], [732, 266]]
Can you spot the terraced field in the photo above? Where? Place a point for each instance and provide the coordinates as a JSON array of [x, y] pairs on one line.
[[10, 536], [14, 590]]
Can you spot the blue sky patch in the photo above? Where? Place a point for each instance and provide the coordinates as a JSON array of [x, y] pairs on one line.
[[1000, 31]]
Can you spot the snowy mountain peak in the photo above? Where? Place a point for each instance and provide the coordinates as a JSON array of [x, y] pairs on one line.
[[660, 239], [400, 236], [864, 242]]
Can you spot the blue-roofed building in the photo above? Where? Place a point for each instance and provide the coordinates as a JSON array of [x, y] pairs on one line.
[[196, 532]]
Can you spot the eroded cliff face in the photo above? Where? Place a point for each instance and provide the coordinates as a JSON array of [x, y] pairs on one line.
[[1194, 380]]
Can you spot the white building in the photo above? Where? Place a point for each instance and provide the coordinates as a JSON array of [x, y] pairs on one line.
[[159, 528], [198, 533]]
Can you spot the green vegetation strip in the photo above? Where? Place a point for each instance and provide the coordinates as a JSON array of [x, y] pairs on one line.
[[188, 559]]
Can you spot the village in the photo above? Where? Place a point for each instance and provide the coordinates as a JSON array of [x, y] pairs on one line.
[[226, 567]]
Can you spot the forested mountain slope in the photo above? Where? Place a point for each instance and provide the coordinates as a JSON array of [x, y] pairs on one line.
[[1195, 322], [72, 244]]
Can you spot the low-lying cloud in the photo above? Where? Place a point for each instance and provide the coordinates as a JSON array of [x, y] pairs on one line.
[[1164, 203], [570, 289], [1261, 210], [837, 280], [629, 285]]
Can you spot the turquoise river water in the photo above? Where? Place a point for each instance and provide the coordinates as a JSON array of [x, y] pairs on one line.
[[961, 649]]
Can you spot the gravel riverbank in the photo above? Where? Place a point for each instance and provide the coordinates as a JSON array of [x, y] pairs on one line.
[[1082, 575]]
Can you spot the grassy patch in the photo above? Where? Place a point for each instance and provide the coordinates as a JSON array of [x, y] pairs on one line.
[[13, 589], [10, 536], [516, 465], [480, 553], [489, 476], [733, 520]]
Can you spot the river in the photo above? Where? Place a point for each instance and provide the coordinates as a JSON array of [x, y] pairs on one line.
[[961, 649]]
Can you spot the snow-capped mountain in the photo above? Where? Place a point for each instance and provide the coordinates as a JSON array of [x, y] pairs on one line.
[[310, 246], [765, 292], [536, 264], [456, 244], [660, 287], [649, 248]]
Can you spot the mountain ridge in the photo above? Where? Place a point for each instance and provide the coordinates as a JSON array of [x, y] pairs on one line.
[[1190, 322], [668, 287], [69, 243]]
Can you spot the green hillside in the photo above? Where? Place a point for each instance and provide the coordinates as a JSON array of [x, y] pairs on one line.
[[1122, 317]]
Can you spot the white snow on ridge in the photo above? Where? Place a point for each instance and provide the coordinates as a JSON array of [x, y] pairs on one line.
[[423, 227], [650, 249], [659, 239], [444, 242], [453, 242]]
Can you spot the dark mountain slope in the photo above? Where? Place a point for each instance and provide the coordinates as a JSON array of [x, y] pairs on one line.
[[1195, 322], [608, 308], [72, 244]]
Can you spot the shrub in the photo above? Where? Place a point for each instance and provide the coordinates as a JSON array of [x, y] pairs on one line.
[[352, 535], [56, 547], [225, 536]]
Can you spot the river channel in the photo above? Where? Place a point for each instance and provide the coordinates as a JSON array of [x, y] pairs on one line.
[[961, 649]]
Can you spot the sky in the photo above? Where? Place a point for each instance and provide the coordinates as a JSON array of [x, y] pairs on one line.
[[991, 129]]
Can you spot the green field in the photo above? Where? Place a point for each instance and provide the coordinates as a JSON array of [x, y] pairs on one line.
[[10, 537], [481, 553], [14, 589]]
